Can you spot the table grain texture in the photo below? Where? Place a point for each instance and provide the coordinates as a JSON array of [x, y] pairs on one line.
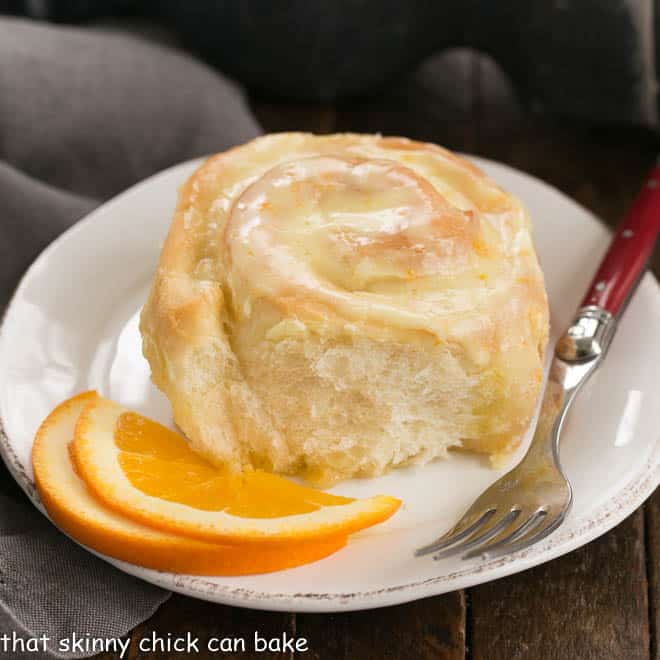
[[600, 601]]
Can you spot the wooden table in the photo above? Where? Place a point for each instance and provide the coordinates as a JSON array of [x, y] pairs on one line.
[[601, 601]]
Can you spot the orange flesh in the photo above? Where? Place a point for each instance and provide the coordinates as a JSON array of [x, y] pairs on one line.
[[160, 463]]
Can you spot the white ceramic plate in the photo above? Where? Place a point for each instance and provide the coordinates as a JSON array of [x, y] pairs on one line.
[[72, 326]]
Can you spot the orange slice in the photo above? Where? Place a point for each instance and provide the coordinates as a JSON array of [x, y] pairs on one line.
[[149, 473], [79, 514]]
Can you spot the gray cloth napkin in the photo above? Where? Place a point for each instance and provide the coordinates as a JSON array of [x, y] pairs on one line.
[[84, 113]]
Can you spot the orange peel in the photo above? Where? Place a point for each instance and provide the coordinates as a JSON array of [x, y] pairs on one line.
[[80, 515], [121, 476]]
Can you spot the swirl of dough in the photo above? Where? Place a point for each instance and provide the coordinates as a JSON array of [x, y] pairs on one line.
[[337, 305], [355, 235]]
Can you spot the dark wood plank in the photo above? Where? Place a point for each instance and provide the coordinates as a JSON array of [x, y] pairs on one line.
[[278, 117], [590, 604], [431, 628], [652, 510]]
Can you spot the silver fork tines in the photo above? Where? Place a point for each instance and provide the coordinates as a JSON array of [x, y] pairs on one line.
[[479, 538], [520, 539], [456, 534], [523, 530]]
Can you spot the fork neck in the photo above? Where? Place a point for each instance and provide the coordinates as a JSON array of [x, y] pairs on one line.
[[588, 337]]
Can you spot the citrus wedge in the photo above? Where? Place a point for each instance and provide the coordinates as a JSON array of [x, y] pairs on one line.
[[148, 473], [79, 514]]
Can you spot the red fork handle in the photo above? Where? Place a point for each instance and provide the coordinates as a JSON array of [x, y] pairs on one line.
[[630, 250]]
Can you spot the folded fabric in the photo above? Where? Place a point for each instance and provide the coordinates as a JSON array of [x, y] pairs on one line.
[[83, 115], [94, 112]]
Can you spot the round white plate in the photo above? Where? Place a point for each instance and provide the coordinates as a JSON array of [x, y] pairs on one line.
[[72, 326]]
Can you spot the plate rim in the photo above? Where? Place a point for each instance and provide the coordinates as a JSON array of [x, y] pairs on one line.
[[628, 498]]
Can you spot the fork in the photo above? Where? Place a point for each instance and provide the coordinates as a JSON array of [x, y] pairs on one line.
[[532, 500]]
